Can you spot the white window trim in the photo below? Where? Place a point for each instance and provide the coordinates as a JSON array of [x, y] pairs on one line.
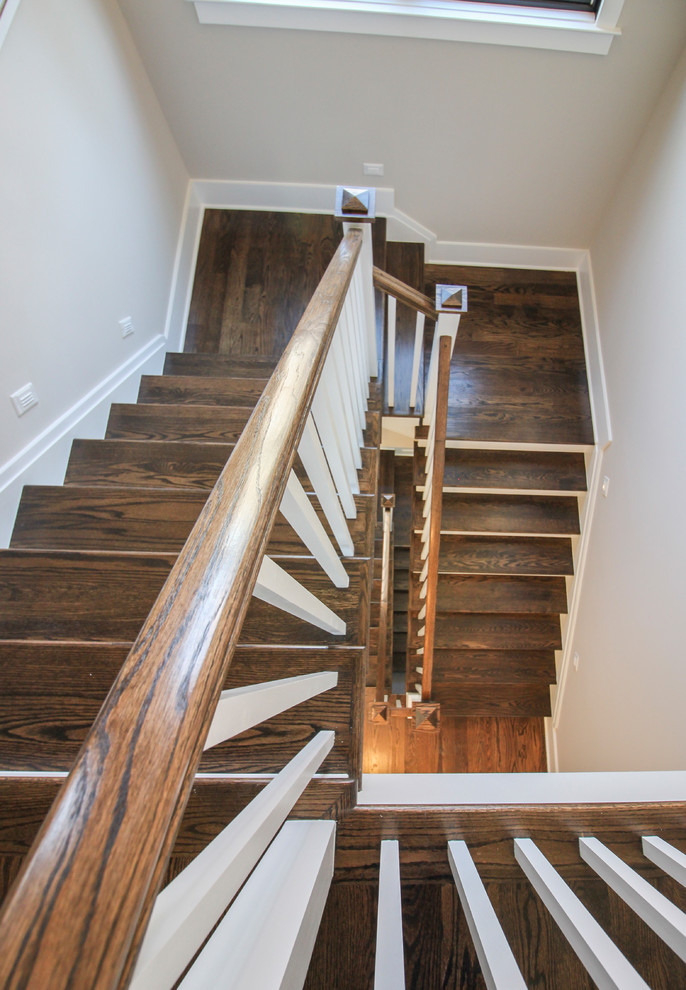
[[447, 20]]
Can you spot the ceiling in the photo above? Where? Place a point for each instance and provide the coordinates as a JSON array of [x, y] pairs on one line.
[[481, 143]]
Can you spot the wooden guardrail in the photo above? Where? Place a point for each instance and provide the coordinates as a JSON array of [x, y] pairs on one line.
[[79, 910]]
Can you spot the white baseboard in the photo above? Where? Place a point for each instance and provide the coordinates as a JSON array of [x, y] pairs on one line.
[[44, 460], [504, 255]]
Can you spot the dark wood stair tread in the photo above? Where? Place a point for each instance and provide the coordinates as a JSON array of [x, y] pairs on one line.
[[524, 700], [158, 463], [50, 694], [201, 391], [525, 514], [504, 555], [496, 631], [201, 424], [142, 519], [523, 470], [105, 597], [497, 593], [212, 365], [453, 667]]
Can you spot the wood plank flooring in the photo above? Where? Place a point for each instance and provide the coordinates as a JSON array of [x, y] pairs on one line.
[[518, 370]]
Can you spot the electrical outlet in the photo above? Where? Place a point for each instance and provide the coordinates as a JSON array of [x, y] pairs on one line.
[[575, 661], [605, 488], [369, 168], [127, 327], [24, 399]]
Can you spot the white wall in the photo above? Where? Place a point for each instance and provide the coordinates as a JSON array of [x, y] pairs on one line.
[[92, 189], [624, 708]]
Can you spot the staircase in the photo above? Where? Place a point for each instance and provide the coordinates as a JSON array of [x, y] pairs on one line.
[[509, 517], [86, 563]]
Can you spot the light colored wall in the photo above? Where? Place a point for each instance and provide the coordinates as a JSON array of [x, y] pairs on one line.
[[624, 708], [92, 188]]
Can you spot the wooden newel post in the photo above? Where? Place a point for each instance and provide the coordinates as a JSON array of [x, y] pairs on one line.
[[387, 506]]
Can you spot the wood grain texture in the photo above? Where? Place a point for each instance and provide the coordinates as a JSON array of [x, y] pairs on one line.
[[497, 631], [518, 370], [201, 424], [211, 365], [140, 463], [402, 292], [201, 390], [405, 262], [530, 514], [497, 593], [493, 698], [515, 469], [504, 666], [123, 801], [505, 555], [344, 951]]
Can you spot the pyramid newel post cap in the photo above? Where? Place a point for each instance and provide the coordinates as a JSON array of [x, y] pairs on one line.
[[379, 712], [388, 501], [355, 203], [451, 298], [427, 716]]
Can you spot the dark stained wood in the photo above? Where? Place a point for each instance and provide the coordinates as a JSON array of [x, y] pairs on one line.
[[236, 366], [497, 631], [201, 424], [518, 371], [531, 514], [505, 555], [151, 519], [405, 262], [434, 558], [498, 593], [403, 293], [125, 801], [344, 952], [506, 666], [155, 463], [201, 390], [489, 830], [265, 624], [493, 699], [385, 636], [515, 469], [62, 595]]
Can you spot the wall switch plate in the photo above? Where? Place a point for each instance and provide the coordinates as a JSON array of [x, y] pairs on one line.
[[24, 399], [127, 327], [605, 488], [369, 168]]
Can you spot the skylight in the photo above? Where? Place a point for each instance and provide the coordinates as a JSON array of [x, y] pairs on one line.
[[587, 26]]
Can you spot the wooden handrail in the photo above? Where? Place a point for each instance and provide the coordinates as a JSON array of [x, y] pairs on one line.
[[440, 432], [387, 504], [404, 293], [78, 911]]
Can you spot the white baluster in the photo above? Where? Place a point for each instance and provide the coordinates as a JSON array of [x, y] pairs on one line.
[[360, 344], [416, 358], [654, 908], [343, 367], [329, 395], [298, 512], [244, 707], [390, 360], [389, 963], [188, 908], [313, 460], [330, 443], [447, 325], [606, 965], [275, 586], [349, 345], [498, 966], [266, 939], [664, 855]]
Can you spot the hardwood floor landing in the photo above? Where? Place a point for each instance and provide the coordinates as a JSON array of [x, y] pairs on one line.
[[518, 370]]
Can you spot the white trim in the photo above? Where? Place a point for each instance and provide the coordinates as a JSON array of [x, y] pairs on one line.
[[84, 418], [7, 17], [600, 408], [444, 20], [565, 667], [462, 789], [505, 255], [184, 270]]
